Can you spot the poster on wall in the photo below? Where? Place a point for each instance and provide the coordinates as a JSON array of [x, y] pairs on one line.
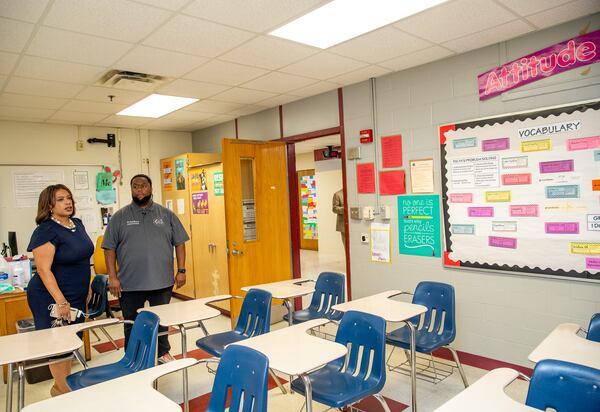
[[27, 186], [180, 174], [380, 243], [218, 186], [519, 192], [308, 198], [365, 177], [391, 151], [167, 174], [200, 203], [392, 182], [419, 225], [421, 176]]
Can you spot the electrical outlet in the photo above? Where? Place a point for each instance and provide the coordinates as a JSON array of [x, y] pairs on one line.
[[364, 238], [355, 213], [79, 145]]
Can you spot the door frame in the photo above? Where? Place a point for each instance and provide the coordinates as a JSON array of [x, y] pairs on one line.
[[293, 194]]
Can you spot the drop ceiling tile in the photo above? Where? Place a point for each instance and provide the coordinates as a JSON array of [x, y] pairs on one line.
[[46, 69], [221, 118], [37, 102], [119, 20], [187, 115], [157, 61], [217, 71], [124, 121], [269, 52], [33, 87], [256, 16], [525, 8], [26, 10], [27, 114], [165, 124], [170, 5], [7, 62], [195, 36], [380, 45], [76, 117], [247, 110], [323, 66], [14, 35], [491, 36], [93, 107], [75, 47], [455, 19], [565, 13], [277, 82], [360, 75], [213, 106], [279, 100], [246, 96], [100, 94], [417, 58], [315, 89], [190, 88]]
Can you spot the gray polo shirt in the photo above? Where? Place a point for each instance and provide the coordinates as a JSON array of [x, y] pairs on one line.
[[144, 241]]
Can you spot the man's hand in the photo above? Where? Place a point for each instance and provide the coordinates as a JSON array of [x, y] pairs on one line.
[[179, 280], [114, 285]]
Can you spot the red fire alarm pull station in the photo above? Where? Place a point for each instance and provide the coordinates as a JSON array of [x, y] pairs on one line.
[[366, 136]]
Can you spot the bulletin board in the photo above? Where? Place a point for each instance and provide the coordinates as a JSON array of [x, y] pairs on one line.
[[18, 202], [521, 192]]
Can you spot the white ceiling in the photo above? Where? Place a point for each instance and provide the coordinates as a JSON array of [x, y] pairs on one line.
[[53, 52]]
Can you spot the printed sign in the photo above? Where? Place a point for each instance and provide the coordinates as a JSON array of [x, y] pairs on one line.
[[504, 226], [218, 184], [583, 248], [547, 129], [517, 162], [462, 229], [504, 242], [523, 210], [419, 225], [557, 166], [536, 145], [593, 222], [200, 203], [167, 174], [464, 143], [495, 144], [481, 212], [180, 174], [569, 228], [583, 143]]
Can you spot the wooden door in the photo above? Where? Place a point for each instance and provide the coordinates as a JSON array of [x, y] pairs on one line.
[[307, 208], [208, 231], [257, 214]]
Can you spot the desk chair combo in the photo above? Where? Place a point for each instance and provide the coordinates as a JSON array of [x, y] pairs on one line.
[[98, 303], [436, 329], [329, 290], [593, 332], [361, 373]]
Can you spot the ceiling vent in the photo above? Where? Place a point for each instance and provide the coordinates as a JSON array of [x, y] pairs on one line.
[[127, 80]]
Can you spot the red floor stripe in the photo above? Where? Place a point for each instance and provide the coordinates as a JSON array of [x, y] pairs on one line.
[[371, 404], [481, 362]]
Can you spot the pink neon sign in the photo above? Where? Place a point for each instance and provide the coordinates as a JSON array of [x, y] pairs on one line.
[[570, 54]]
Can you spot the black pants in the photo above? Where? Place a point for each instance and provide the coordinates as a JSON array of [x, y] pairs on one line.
[[132, 301]]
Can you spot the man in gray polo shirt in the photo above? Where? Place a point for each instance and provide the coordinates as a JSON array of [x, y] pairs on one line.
[[141, 237]]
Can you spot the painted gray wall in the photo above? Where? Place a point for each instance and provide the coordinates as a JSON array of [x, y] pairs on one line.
[[498, 315], [260, 126], [314, 113], [209, 140]]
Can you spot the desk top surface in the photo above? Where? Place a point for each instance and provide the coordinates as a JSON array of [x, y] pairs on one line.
[[293, 351], [45, 342], [178, 313], [381, 305], [487, 394], [129, 393], [286, 289], [564, 344]]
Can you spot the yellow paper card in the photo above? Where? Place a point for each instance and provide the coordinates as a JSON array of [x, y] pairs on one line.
[[536, 145], [585, 248], [503, 196]]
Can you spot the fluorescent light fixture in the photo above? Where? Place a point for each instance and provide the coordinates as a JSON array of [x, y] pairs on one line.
[[156, 105], [341, 20]]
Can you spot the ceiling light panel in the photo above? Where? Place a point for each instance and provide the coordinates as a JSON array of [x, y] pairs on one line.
[[156, 105], [341, 20]]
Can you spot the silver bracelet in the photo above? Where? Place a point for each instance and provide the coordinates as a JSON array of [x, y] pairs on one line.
[[65, 303]]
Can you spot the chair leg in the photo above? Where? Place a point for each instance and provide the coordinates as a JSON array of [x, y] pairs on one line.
[[390, 367], [108, 337], [277, 381], [459, 365], [382, 402], [95, 334]]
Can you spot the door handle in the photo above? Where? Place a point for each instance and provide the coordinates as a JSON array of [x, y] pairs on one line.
[[212, 247], [236, 252]]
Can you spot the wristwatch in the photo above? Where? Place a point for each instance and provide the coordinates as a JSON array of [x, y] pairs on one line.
[[181, 271]]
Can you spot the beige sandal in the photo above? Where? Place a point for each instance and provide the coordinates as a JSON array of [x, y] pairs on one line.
[[54, 391]]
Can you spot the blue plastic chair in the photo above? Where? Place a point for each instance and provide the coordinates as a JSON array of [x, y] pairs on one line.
[[593, 332], [140, 355], [564, 386], [438, 328], [97, 304], [329, 290], [254, 320], [244, 373], [337, 386]]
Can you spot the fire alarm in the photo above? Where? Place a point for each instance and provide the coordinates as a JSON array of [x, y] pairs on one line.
[[366, 136]]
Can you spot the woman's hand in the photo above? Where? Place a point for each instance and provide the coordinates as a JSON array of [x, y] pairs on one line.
[[64, 311]]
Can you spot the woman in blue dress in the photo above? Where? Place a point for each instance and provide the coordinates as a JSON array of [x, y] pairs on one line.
[[62, 250]]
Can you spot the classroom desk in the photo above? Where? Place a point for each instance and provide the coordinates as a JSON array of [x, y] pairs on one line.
[[392, 311], [487, 394], [131, 393], [564, 344], [178, 314], [40, 344], [286, 290], [294, 352]]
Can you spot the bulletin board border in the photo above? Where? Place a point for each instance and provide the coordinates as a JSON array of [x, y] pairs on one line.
[[499, 119]]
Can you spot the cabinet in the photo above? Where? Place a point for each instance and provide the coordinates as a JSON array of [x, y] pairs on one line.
[[13, 307]]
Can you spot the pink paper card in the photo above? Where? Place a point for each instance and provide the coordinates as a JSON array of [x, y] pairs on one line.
[[567, 228], [365, 177], [516, 179], [502, 143], [505, 242], [391, 151], [392, 183], [524, 210], [592, 263], [461, 197], [583, 143], [481, 212], [557, 166]]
